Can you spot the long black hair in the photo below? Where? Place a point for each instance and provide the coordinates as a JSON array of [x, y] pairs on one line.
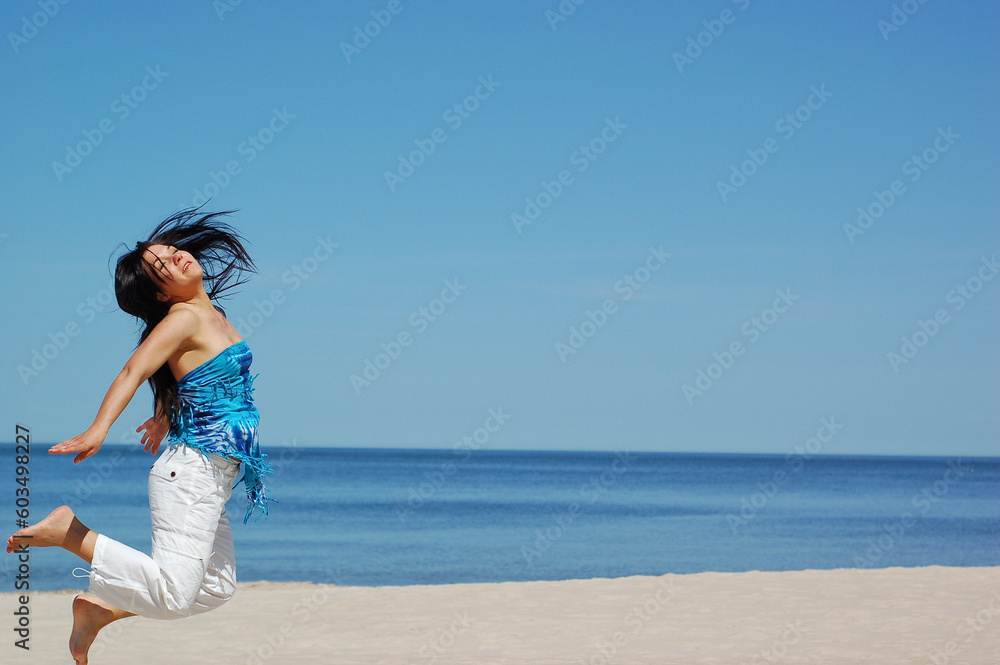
[[218, 249]]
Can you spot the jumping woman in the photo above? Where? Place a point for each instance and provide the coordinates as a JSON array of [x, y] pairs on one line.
[[198, 368]]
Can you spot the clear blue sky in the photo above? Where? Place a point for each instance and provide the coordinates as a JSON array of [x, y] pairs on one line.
[[310, 129]]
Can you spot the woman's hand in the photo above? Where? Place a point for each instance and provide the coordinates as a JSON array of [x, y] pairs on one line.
[[156, 428], [87, 444]]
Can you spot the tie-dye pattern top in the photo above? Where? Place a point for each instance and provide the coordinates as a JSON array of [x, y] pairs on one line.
[[217, 415]]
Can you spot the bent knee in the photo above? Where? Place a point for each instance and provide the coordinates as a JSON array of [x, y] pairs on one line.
[[204, 602], [225, 593]]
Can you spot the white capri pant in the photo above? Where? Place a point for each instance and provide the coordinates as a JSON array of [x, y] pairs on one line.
[[192, 567]]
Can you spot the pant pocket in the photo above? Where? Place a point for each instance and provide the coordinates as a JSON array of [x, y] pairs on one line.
[[176, 484]]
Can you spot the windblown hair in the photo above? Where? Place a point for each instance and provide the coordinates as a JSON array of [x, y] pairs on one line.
[[217, 248]]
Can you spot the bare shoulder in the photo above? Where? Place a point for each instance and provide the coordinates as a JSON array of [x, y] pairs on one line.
[[165, 342], [183, 323], [182, 315], [180, 324], [210, 335]]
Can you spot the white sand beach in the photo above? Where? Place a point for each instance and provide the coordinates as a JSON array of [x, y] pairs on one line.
[[894, 615]]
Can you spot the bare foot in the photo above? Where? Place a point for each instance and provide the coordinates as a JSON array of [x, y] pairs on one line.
[[50, 532], [90, 614]]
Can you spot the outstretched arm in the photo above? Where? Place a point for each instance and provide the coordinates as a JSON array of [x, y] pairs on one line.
[[168, 336]]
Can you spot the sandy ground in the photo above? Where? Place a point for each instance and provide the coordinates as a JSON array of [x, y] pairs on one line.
[[932, 615]]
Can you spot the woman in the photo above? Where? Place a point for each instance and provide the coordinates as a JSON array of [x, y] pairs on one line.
[[198, 368]]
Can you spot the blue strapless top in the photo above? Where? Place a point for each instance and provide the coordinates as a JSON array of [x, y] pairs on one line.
[[217, 415]]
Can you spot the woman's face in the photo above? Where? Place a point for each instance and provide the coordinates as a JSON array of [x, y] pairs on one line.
[[179, 273]]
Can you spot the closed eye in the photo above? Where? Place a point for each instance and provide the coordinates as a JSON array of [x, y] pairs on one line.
[[163, 266]]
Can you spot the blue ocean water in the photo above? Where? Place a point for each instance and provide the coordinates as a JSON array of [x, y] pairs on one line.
[[393, 516]]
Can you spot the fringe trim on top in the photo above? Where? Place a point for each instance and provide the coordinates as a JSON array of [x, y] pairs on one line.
[[254, 469]]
